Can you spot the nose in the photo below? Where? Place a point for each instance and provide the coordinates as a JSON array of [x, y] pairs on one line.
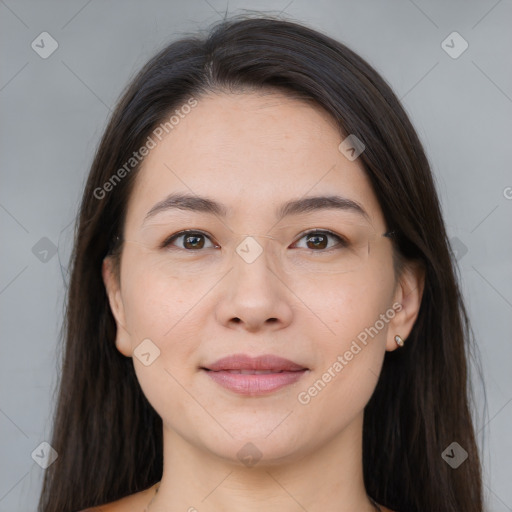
[[253, 296]]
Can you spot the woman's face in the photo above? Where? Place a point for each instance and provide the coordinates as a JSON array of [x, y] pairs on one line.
[[310, 299]]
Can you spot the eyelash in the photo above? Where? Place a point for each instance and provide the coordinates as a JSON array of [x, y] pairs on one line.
[[341, 240]]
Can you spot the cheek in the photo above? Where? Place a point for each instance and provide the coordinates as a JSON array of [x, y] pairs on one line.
[[161, 309], [346, 305], [355, 312], [156, 302]]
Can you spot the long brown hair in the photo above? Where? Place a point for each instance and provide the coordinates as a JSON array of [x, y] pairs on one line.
[[422, 400]]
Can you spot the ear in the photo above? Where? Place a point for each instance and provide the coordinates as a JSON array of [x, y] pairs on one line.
[[113, 288], [406, 302]]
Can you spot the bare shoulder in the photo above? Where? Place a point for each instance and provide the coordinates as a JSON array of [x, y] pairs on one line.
[[133, 503]]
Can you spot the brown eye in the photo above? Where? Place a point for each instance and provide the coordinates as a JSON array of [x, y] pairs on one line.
[[190, 240], [319, 240], [193, 242]]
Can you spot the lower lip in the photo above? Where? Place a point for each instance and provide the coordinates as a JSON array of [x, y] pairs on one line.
[[256, 384]]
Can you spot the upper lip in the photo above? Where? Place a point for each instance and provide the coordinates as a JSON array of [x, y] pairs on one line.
[[246, 362]]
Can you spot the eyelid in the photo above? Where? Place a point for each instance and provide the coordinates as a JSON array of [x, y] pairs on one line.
[[321, 230]]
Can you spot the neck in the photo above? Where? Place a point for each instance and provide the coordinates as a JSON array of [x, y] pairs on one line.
[[327, 478]]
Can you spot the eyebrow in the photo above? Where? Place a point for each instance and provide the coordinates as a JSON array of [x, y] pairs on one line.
[[310, 204]]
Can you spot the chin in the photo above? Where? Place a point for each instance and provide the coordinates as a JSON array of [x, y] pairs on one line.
[[259, 447]]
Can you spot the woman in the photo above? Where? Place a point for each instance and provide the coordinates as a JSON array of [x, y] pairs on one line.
[[263, 310]]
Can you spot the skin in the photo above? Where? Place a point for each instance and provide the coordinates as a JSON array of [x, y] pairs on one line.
[[253, 151]]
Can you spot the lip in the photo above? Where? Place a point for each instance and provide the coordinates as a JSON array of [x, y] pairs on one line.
[[253, 376]]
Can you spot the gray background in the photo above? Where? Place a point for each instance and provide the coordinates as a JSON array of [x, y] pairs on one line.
[[54, 110]]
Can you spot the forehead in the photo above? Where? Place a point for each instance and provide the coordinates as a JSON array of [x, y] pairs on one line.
[[250, 151]]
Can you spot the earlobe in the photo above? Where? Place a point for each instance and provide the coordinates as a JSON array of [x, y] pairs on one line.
[[408, 293], [112, 286]]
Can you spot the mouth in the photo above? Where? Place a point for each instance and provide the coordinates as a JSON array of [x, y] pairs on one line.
[[254, 376]]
